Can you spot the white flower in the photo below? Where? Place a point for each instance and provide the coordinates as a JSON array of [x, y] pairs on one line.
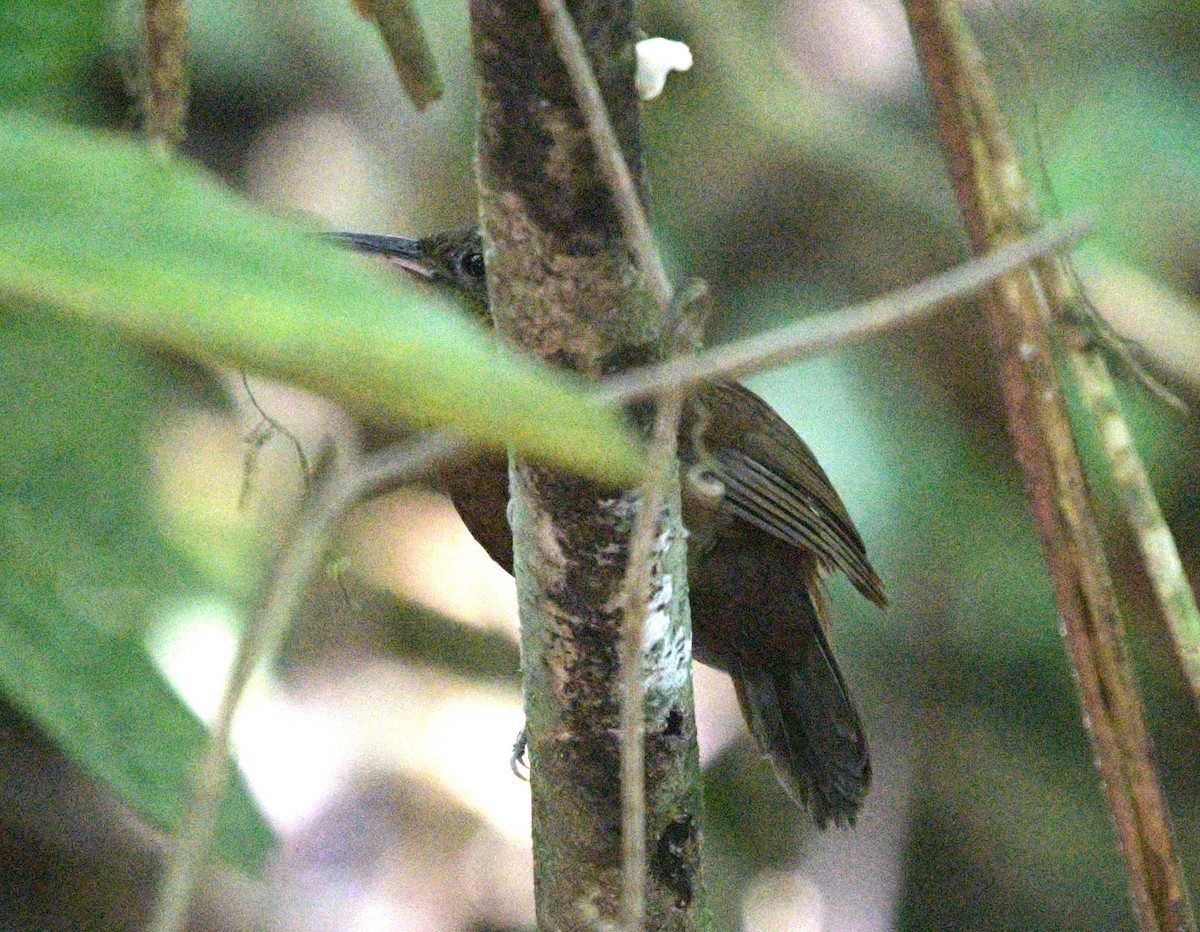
[[656, 58]]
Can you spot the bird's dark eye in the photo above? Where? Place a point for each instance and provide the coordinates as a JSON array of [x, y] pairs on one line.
[[471, 265]]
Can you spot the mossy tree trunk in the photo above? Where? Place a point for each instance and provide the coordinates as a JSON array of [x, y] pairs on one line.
[[562, 284]]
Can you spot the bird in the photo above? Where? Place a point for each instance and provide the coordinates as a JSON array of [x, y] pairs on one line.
[[757, 555]]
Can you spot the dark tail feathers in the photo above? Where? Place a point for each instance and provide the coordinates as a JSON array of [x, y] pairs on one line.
[[805, 724]]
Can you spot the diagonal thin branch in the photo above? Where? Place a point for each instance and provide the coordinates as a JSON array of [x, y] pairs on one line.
[[826, 332], [1160, 556], [1156, 544], [259, 646]]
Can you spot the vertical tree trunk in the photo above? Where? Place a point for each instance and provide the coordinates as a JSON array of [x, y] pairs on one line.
[[562, 284]]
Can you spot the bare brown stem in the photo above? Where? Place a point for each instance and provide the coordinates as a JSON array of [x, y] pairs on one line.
[[994, 201], [400, 27], [1156, 543]]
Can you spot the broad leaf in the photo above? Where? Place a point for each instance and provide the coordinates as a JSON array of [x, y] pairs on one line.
[[83, 568], [98, 228]]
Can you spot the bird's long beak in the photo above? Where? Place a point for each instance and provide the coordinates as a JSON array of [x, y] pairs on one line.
[[405, 252]]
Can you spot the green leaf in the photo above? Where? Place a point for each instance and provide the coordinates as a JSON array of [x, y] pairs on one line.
[[100, 229], [83, 568]]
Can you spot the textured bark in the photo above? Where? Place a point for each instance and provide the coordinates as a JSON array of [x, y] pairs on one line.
[[562, 284]]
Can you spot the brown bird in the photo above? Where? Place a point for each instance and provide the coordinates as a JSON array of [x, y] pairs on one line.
[[755, 560]]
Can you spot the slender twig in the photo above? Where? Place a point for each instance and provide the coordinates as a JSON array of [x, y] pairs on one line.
[[260, 643], [164, 83], [827, 332], [274, 426], [608, 150], [994, 199], [635, 598], [1156, 544]]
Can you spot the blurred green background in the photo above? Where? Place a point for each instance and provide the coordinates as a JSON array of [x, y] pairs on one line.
[[795, 169]]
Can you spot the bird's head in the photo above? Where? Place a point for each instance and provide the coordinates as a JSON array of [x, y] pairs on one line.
[[454, 260]]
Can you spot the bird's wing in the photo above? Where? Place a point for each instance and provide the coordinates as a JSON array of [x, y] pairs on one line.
[[793, 498]]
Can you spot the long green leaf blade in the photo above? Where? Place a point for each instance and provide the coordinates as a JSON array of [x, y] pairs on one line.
[[98, 228]]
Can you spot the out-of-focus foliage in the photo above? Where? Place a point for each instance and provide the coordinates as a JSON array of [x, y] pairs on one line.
[[48, 49], [85, 569]]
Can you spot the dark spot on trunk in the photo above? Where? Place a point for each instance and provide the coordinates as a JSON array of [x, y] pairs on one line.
[[675, 858]]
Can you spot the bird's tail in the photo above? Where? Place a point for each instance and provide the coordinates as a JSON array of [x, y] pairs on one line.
[[804, 723]]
